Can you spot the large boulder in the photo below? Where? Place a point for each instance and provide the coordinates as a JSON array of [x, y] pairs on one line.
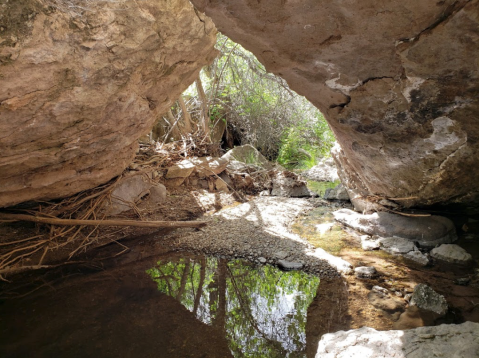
[[287, 184], [452, 341], [451, 253], [337, 193], [397, 81], [325, 170], [80, 84], [427, 231], [130, 190], [249, 155], [425, 298]]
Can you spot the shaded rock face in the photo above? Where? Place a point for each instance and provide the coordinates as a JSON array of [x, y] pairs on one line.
[[397, 81], [78, 89]]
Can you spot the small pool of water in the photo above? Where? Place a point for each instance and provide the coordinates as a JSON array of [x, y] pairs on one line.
[[260, 310], [178, 305]]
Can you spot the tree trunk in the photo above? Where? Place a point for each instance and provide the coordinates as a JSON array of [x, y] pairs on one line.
[[186, 116], [204, 119], [174, 129], [200, 286], [184, 279]]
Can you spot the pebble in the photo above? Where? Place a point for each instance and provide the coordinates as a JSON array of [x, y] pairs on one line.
[[289, 265], [365, 272], [463, 281]]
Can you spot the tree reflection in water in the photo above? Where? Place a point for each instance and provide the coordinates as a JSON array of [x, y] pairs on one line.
[[261, 310]]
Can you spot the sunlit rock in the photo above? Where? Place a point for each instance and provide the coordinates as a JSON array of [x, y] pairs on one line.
[[455, 341], [427, 299], [427, 231], [451, 253]]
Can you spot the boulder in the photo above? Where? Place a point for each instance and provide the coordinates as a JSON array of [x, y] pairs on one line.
[[396, 245], [287, 184], [451, 253], [425, 298], [289, 265], [426, 231], [157, 194], [395, 84], [446, 340], [365, 272], [404, 248], [129, 191], [237, 167], [323, 171], [80, 84], [337, 193], [249, 155], [417, 256], [208, 166], [182, 169], [369, 243]]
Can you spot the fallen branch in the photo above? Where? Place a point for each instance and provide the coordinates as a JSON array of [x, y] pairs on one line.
[[74, 222], [407, 214], [408, 198]]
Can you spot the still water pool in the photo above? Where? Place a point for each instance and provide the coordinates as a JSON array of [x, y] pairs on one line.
[[260, 310], [172, 306]]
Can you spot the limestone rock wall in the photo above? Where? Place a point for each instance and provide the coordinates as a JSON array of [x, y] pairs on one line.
[[397, 81], [81, 81]]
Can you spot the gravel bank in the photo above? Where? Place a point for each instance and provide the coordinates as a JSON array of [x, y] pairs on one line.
[[258, 231]]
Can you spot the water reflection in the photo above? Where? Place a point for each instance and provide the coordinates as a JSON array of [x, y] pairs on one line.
[[261, 310]]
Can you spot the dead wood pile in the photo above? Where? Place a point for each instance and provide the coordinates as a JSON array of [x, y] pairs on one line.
[[73, 224]]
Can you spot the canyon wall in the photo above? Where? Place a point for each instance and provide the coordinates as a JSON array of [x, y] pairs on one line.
[[398, 82], [81, 81]]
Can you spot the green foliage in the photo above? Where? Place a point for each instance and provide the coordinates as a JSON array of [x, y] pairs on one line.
[[320, 187], [305, 142], [261, 109]]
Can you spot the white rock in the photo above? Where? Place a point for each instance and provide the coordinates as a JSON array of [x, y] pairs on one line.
[[417, 256], [365, 271], [249, 155], [451, 341], [287, 184], [323, 171], [427, 231], [207, 166], [338, 263], [290, 265], [368, 243], [181, 169], [451, 253], [396, 245], [323, 228]]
